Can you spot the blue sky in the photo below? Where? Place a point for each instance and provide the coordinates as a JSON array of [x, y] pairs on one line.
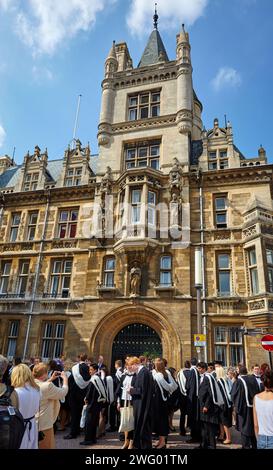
[[51, 51]]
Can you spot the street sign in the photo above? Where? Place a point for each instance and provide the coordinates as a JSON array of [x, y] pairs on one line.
[[267, 342], [200, 340]]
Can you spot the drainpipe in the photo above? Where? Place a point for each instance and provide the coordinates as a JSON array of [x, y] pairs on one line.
[[37, 275], [204, 314]]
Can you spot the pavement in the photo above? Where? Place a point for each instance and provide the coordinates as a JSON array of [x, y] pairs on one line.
[[111, 440]]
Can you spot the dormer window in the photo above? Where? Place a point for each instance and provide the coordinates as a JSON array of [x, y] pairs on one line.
[[31, 181], [144, 105], [73, 176], [218, 159]]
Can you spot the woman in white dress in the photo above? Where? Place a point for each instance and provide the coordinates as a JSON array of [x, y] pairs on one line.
[[28, 394]]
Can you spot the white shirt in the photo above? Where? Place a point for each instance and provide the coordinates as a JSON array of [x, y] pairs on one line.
[[264, 410]]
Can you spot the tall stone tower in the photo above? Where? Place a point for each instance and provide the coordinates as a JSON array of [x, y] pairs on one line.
[[153, 101]]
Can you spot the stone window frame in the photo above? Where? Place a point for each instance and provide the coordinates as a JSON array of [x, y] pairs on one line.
[[31, 225], [52, 339], [139, 105], [67, 223], [14, 227], [23, 277], [219, 270], [60, 275], [269, 265], [5, 277], [227, 343], [134, 159], [13, 329], [218, 162], [31, 181], [107, 271], [74, 177], [220, 211], [163, 270], [253, 270]]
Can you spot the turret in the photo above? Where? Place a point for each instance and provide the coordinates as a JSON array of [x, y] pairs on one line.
[[108, 97], [184, 83]]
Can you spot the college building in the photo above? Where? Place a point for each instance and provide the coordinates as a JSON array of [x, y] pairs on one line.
[[98, 252]]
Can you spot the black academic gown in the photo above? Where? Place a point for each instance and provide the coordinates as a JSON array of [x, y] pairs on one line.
[[193, 410], [244, 413], [210, 419], [184, 403], [92, 413], [226, 408], [76, 398], [141, 393], [206, 401], [160, 411]]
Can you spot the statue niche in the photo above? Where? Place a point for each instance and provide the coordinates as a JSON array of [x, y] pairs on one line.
[[135, 280]]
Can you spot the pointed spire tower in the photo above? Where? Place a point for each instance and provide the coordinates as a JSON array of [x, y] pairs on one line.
[[155, 50]]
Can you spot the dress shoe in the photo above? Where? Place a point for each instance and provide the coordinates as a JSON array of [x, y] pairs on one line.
[[226, 442], [88, 443], [69, 436]]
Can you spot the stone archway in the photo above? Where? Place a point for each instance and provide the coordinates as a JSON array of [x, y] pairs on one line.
[[105, 332]]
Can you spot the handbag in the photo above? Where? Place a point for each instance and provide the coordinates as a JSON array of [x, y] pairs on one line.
[[83, 417], [127, 422]]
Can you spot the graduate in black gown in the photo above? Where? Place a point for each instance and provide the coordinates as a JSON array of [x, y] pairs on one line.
[[95, 399], [182, 379], [163, 387], [226, 408], [78, 382], [242, 393], [193, 410], [210, 400], [141, 391]]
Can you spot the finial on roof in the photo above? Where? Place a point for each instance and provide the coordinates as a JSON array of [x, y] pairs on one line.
[[183, 27], [155, 17]]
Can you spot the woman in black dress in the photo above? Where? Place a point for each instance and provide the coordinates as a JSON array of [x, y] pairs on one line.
[[163, 386]]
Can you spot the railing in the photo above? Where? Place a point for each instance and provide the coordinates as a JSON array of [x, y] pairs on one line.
[[12, 296], [55, 295]]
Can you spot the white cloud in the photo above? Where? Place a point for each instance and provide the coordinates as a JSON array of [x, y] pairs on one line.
[[171, 14], [6, 4], [41, 74], [44, 25], [226, 77], [2, 135]]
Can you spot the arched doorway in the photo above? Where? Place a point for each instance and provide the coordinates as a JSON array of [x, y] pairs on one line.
[[136, 339]]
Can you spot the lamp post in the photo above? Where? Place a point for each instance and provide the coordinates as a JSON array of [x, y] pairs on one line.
[[198, 286]]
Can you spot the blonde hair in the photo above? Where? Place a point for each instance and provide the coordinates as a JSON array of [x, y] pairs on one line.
[[39, 370], [220, 373], [133, 360], [21, 375]]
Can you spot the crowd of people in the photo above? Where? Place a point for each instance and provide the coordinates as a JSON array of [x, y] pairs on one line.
[[139, 400]]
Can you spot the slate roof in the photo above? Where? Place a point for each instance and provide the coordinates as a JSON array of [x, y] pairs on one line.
[[54, 167], [153, 49]]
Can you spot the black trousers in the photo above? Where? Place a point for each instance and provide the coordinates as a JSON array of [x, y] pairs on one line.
[[208, 435], [76, 412], [248, 442], [92, 422]]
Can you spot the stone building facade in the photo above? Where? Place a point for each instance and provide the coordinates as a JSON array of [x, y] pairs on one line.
[[98, 251]]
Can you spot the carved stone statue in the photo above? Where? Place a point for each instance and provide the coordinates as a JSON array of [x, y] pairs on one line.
[[106, 181], [135, 280], [175, 178], [174, 210]]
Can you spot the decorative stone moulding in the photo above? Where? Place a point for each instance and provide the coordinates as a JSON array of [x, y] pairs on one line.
[[184, 121], [104, 134]]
